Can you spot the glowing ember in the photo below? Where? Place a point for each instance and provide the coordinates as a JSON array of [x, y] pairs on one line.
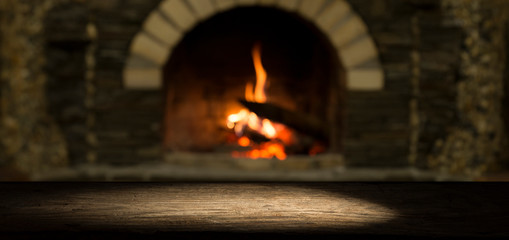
[[244, 141], [277, 133], [264, 150]]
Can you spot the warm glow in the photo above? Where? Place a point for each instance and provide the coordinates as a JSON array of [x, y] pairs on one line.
[[267, 128], [261, 75], [264, 150], [239, 116], [249, 92], [254, 122], [316, 149], [277, 133], [277, 150], [244, 141]]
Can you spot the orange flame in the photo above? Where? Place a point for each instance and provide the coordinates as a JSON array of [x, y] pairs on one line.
[[261, 75], [240, 121], [264, 150], [249, 92]]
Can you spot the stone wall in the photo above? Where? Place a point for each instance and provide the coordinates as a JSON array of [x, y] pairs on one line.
[[62, 98], [102, 121], [474, 142], [66, 43], [444, 65], [397, 126], [127, 122], [377, 122], [30, 140], [504, 163]]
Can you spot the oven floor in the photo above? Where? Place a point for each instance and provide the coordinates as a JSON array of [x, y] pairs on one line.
[[172, 172]]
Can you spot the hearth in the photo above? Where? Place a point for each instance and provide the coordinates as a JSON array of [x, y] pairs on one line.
[[178, 89], [269, 87], [254, 83]]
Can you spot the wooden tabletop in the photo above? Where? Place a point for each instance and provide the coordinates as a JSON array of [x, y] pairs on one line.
[[292, 210]]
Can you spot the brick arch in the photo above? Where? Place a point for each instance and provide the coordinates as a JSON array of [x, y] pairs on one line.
[[168, 23]]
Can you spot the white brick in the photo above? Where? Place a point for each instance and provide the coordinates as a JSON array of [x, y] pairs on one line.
[[289, 5], [148, 78], [161, 29], [333, 14], [266, 2], [365, 79], [310, 8], [351, 29], [225, 4], [246, 2], [358, 52], [203, 8], [178, 11], [143, 70], [135, 61], [152, 50]]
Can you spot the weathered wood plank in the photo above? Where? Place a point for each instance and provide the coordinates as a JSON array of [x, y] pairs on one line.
[[366, 209]]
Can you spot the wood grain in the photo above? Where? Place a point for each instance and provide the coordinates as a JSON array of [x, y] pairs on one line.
[[375, 209]]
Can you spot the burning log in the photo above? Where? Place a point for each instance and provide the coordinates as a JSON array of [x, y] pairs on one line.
[[301, 122], [273, 140], [255, 136]]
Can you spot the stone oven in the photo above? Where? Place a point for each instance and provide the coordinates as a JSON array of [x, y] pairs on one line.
[[254, 89], [212, 69], [190, 63], [199, 54]]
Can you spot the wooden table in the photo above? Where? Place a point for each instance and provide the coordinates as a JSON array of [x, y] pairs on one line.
[[259, 210]]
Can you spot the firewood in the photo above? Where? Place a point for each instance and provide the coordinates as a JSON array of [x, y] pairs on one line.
[[301, 122], [255, 136]]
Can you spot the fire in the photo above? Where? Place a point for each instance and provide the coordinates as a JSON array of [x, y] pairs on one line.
[[244, 141], [277, 133], [261, 75], [264, 150]]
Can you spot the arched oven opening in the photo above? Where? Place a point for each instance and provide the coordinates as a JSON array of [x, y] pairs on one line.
[[254, 82]]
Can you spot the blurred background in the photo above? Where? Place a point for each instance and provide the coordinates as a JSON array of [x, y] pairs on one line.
[[263, 90]]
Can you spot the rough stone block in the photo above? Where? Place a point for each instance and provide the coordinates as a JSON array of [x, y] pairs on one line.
[[266, 2], [161, 29], [330, 161], [246, 2], [145, 46], [225, 4], [178, 11], [149, 152], [359, 52], [295, 163], [309, 9], [350, 30], [254, 164], [203, 8], [332, 15], [147, 78], [289, 5], [365, 79]]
